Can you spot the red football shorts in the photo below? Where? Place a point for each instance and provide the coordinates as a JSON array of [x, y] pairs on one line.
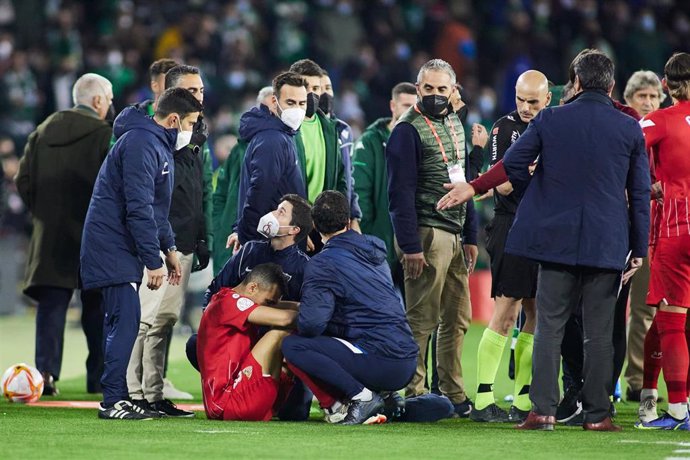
[[669, 279], [250, 397]]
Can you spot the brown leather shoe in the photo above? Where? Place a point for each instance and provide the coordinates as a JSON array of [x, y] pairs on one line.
[[604, 425], [535, 421]]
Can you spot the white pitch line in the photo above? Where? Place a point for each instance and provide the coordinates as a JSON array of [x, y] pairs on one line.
[[682, 451], [225, 431], [671, 443]]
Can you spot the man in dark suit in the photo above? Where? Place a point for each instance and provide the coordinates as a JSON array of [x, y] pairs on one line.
[[584, 211]]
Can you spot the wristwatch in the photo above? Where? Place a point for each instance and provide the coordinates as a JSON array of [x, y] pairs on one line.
[[170, 249]]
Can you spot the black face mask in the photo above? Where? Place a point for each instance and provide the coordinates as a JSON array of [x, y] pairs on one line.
[[110, 116], [462, 114], [326, 103], [312, 104], [434, 105]]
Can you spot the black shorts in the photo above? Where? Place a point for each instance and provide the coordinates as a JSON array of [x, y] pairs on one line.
[[511, 276]]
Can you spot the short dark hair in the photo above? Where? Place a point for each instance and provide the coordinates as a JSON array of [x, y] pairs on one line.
[[307, 68], [677, 74], [595, 71], [403, 88], [331, 212], [161, 67], [266, 276], [172, 76], [177, 100], [571, 68], [289, 79], [301, 215]]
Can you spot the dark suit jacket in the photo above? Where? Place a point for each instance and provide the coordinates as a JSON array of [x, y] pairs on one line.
[[588, 201]]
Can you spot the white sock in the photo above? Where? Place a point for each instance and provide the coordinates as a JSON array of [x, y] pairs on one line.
[[334, 408], [678, 410], [647, 392], [364, 395]]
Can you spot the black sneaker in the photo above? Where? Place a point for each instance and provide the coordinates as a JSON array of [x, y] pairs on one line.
[[360, 412], [142, 404], [570, 405], [167, 408], [464, 409], [125, 410], [516, 415], [490, 414], [49, 388], [394, 405]]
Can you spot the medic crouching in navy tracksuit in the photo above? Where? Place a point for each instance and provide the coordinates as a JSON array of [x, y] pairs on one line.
[[353, 337], [127, 227]]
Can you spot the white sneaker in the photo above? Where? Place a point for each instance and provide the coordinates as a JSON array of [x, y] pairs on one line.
[[170, 392], [337, 415], [647, 410]]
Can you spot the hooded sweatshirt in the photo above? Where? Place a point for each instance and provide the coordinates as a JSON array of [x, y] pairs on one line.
[[127, 222], [270, 169], [348, 293]]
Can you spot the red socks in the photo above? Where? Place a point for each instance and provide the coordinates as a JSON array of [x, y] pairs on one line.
[[652, 358], [674, 348], [326, 394]]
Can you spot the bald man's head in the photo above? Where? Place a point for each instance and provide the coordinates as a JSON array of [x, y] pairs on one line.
[[531, 94]]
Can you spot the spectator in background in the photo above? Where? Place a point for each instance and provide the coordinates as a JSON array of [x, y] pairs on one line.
[[23, 98], [15, 227], [66, 54], [226, 191], [55, 180], [644, 93]]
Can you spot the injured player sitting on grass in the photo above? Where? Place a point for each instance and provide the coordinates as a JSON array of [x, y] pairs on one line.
[[241, 374]]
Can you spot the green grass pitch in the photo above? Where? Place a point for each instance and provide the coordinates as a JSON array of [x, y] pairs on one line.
[[34, 432]]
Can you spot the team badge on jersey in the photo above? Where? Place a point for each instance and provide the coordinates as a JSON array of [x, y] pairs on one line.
[[247, 371], [243, 303]]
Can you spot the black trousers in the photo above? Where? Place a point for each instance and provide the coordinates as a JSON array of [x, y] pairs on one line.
[[571, 348], [51, 314], [560, 289]]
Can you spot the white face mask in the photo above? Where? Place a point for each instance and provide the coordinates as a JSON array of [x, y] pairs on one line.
[[269, 226], [292, 117], [184, 138]]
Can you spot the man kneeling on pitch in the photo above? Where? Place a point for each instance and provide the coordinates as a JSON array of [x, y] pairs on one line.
[[353, 337], [241, 374]]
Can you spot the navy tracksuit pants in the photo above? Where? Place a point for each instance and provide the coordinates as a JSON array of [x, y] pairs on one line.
[[345, 367], [120, 326]]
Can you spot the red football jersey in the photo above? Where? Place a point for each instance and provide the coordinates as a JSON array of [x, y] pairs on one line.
[[225, 339], [667, 136]]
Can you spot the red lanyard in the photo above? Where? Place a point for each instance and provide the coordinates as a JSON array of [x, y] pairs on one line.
[[438, 139]]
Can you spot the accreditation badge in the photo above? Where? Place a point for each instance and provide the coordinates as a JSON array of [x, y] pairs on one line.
[[455, 173]]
